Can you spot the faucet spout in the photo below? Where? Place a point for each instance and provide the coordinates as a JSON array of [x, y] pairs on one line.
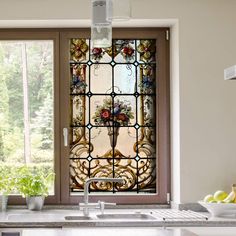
[[90, 180], [85, 206]]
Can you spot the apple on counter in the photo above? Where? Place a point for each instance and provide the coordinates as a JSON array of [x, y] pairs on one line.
[[209, 198], [221, 197]]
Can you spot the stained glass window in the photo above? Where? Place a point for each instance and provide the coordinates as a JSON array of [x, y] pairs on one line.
[[113, 115]]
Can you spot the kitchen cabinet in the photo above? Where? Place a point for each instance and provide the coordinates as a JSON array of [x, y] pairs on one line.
[[30, 232], [152, 231], [122, 231], [213, 231]]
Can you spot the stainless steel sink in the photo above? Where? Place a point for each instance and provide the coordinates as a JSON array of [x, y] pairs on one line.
[[131, 216], [78, 218]]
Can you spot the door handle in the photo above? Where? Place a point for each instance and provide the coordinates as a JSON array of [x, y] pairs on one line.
[[65, 136]]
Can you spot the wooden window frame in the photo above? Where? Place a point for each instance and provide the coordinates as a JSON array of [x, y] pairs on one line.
[[61, 39], [163, 121]]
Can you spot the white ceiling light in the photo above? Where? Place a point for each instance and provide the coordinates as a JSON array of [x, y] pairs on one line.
[[118, 10], [103, 12], [101, 28], [230, 73]]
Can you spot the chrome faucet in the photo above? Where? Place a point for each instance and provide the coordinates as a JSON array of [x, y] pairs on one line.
[[100, 205]]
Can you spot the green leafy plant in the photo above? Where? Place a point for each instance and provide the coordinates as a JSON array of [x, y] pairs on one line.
[[7, 181], [33, 182]]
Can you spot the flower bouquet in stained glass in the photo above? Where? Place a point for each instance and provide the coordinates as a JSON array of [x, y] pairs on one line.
[[113, 114]]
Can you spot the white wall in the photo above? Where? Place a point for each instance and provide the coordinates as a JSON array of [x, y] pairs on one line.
[[207, 44]]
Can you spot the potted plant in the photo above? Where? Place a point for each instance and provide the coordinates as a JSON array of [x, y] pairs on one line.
[[34, 185], [7, 186]]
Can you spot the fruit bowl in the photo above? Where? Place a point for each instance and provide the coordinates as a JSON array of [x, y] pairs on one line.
[[219, 209]]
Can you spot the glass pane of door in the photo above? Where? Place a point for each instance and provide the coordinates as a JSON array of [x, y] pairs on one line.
[[26, 105]]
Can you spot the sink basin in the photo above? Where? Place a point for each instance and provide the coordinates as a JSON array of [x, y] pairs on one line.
[[78, 218], [132, 216]]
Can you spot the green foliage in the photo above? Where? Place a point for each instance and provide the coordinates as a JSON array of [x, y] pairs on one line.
[[7, 181], [43, 123], [38, 156], [37, 177], [10, 70], [13, 144], [40, 85], [2, 156], [4, 114], [42, 156], [32, 182], [10, 176]]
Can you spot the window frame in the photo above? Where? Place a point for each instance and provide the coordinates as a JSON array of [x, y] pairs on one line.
[[61, 38], [43, 34], [163, 121]]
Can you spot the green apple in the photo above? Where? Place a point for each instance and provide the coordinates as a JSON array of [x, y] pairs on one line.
[[228, 201], [208, 198], [220, 195], [213, 201]]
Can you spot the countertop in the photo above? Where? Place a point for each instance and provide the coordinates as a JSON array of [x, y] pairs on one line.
[[55, 218]]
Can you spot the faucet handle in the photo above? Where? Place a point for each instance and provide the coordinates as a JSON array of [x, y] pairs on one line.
[[88, 205], [103, 204], [110, 203]]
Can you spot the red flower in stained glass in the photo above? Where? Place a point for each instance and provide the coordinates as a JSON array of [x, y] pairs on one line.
[[105, 114], [122, 117], [127, 52], [96, 51], [97, 54]]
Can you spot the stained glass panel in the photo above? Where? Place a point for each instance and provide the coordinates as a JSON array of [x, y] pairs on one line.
[[113, 115], [101, 55], [80, 147], [79, 84], [98, 134], [125, 79], [79, 113], [100, 81], [124, 51], [146, 175], [146, 79], [79, 50]]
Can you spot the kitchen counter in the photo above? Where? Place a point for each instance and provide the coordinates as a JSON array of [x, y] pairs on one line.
[[143, 218]]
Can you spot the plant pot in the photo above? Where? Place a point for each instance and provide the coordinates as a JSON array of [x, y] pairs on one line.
[[35, 203], [3, 202]]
